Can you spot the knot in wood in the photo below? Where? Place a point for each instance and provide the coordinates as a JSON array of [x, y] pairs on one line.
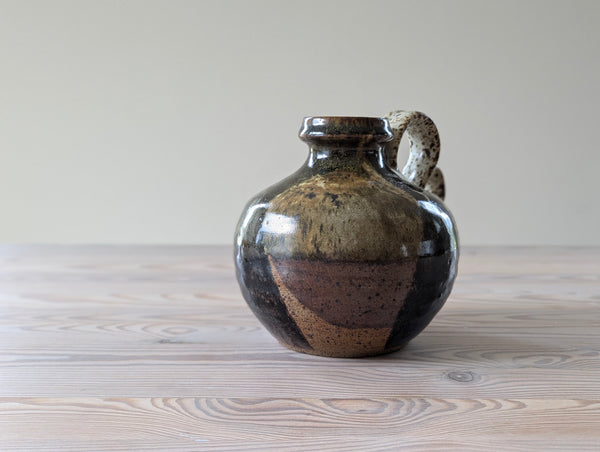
[[461, 376]]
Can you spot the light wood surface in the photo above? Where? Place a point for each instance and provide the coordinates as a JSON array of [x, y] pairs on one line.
[[153, 348]]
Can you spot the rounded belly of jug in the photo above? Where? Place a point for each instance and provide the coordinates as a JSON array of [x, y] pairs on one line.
[[345, 269]]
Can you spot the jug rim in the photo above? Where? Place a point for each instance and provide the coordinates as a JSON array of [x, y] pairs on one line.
[[346, 127]]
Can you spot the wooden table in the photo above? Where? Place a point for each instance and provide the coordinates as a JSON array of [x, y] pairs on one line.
[[153, 348]]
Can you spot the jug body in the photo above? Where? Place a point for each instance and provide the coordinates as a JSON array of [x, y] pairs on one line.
[[345, 257]]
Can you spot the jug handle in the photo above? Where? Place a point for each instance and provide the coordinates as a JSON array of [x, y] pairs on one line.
[[420, 169]]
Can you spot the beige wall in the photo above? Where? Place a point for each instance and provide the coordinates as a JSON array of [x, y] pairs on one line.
[[154, 121]]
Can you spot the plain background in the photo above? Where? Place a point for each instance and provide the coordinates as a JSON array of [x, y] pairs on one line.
[[154, 121]]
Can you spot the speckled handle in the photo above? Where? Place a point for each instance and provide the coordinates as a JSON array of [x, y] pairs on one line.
[[424, 141]]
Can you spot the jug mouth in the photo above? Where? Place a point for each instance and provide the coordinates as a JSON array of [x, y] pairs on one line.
[[345, 128]]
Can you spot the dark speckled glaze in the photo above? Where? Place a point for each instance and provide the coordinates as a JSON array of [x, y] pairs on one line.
[[345, 257]]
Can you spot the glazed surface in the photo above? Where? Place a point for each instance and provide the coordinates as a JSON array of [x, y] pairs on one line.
[[345, 258]]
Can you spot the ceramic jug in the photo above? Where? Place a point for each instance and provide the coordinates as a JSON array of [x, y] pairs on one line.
[[348, 257]]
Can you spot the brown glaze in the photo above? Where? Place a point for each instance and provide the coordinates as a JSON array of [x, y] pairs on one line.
[[344, 257]]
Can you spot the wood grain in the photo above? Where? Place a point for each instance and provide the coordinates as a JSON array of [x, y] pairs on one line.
[[153, 348]]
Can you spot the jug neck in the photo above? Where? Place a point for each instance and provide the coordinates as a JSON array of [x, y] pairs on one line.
[[339, 141]]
